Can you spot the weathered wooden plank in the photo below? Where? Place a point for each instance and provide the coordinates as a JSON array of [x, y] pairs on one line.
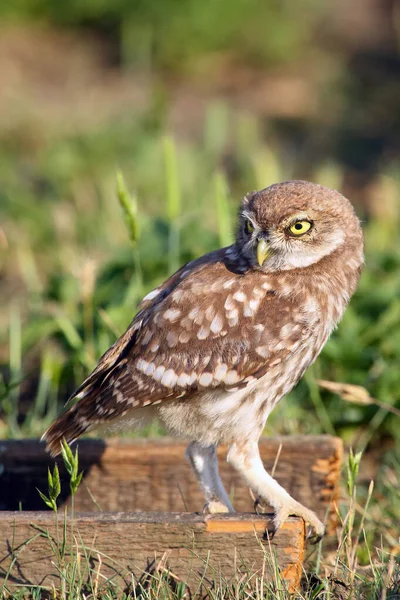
[[193, 548], [130, 475]]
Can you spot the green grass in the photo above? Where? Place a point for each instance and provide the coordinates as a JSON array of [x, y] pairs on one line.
[[76, 264], [355, 568], [76, 261], [184, 36]]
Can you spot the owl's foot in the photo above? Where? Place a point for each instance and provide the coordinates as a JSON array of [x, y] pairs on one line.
[[259, 507], [315, 530], [215, 506]]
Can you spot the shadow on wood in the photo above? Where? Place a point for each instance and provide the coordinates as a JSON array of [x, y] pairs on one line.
[[197, 550], [138, 475]]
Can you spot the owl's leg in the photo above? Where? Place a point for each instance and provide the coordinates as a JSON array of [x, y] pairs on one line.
[[204, 462], [245, 458]]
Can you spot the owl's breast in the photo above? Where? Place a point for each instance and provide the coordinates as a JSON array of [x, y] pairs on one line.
[[298, 343]]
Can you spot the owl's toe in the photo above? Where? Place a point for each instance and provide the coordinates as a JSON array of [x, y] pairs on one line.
[[312, 537], [259, 507], [316, 528]]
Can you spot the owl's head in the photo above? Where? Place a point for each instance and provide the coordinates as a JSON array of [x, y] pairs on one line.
[[295, 224]]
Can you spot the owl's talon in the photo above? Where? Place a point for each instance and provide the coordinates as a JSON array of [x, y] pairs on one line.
[[258, 506], [312, 537], [270, 531], [316, 530]]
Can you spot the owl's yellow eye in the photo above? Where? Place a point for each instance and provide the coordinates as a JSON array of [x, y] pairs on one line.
[[249, 226], [300, 227]]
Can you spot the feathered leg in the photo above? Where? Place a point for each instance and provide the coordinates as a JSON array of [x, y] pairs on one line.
[[245, 458]]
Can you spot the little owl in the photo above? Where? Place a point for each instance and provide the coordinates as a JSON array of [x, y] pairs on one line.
[[214, 348]]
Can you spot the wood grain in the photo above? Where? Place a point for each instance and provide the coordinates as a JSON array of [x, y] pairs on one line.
[[142, 475], [193, 548]]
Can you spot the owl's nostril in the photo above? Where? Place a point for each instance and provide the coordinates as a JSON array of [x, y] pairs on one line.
[[264, 235]]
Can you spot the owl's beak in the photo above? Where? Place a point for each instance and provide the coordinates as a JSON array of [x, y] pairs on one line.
[[263, 250]]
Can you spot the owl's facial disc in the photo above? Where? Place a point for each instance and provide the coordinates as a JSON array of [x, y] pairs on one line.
[[293, 225], [295, 240]]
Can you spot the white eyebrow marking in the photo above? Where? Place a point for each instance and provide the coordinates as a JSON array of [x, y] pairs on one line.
[[247, 214], [301, 216]]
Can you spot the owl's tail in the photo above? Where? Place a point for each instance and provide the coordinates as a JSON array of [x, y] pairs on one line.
[[68, 426]]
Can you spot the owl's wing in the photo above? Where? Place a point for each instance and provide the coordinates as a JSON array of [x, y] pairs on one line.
[[205, 327]]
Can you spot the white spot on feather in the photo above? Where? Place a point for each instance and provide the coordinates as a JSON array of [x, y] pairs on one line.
[[193, 313], [151, 295], [228, 284], [286, 330], [142, 365], [220, 372], [217, 323], [203, 333], [231, 377], [169, 378], [177, 295], [240, 296], [254, 304], [263, 351], [229, 303], [233, 317], [150, 369], [158, 373], [206, 359], [172, 314], [184, 337], [183, 380], [172, 339], [251, 307], [205, 379]]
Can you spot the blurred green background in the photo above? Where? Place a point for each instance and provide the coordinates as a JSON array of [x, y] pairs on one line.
[[196, 103]]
